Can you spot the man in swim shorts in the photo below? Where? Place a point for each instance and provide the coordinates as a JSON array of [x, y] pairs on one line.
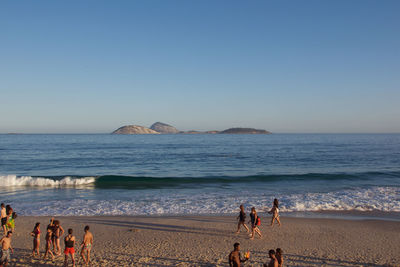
[[86, 245], [5, 249], [3, 218]]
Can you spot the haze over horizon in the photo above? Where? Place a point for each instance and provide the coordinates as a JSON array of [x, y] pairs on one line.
[[286, 67]]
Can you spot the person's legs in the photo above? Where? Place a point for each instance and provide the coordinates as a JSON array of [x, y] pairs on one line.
[[252, 232], [258, 231], [279, 222], [238, 227], [66, 260], [247, 228], [58, 248], [83, 255], [37, 247], [73, 259], [88, 255]]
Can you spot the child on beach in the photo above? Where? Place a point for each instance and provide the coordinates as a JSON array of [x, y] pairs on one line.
[[242, 219], [279, 257], [275, 212], [255, 222], [3, 218], [48, 241], [58, 231], [36, 240], [235, 258], [86, 245], [6, 247], [69, 241], [10, 225]]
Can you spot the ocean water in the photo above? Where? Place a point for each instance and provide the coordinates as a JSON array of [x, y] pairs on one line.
[[105, 174]]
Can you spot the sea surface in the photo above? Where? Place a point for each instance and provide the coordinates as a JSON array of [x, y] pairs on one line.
[[103, 174]]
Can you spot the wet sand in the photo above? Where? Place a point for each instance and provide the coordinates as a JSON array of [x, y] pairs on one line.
[[207, 241]]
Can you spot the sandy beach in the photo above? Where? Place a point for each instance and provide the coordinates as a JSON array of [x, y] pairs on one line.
[[207, 241]]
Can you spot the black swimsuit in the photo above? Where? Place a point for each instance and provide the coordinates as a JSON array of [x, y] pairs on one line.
[[242, 216], [69, 243]]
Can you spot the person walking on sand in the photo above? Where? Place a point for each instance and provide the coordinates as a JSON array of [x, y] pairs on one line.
[[69, 241], [3, 218], [235, 258], [279, 257], [5, 249], [273, 262], [275, 212], [255, 222], [36, 240], [58, 231], [86, 245], [48, 242], [242, 220]]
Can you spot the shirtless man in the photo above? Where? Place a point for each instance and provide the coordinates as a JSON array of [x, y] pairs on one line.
[[273, 262], [3, 218], [5, 249], [234, 256], [86, 245]]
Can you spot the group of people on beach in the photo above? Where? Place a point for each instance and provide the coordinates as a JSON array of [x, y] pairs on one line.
[[54, 232], [276, 256], [255, 220], [8, 217]]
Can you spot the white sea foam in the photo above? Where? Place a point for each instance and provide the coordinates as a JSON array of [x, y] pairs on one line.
[[13, 180], [142, 203]]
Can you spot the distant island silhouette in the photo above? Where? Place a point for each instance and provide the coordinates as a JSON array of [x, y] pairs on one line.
[[163, 128]]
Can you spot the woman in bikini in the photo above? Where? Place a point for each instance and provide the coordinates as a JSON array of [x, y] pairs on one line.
[[254, 223], [36, 240], [275, 212], [48, 242], [69, 241]]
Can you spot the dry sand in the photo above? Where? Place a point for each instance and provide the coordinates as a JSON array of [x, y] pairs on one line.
[[207, 241]]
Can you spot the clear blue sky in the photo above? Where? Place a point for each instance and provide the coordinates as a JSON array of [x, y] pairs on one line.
[[284, 66]]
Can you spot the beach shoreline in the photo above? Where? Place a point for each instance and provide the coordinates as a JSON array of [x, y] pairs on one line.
[[201, 240]]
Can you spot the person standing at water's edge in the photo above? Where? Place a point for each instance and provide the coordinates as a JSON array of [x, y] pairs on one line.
[[86, 245], [242, 220], [5, 249]]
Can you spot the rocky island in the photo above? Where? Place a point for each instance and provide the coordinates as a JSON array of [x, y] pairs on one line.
[[134, 129], [244, 131], [163, 128]]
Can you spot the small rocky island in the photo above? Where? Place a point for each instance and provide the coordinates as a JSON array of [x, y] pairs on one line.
[[244, 131], [163, 128]]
